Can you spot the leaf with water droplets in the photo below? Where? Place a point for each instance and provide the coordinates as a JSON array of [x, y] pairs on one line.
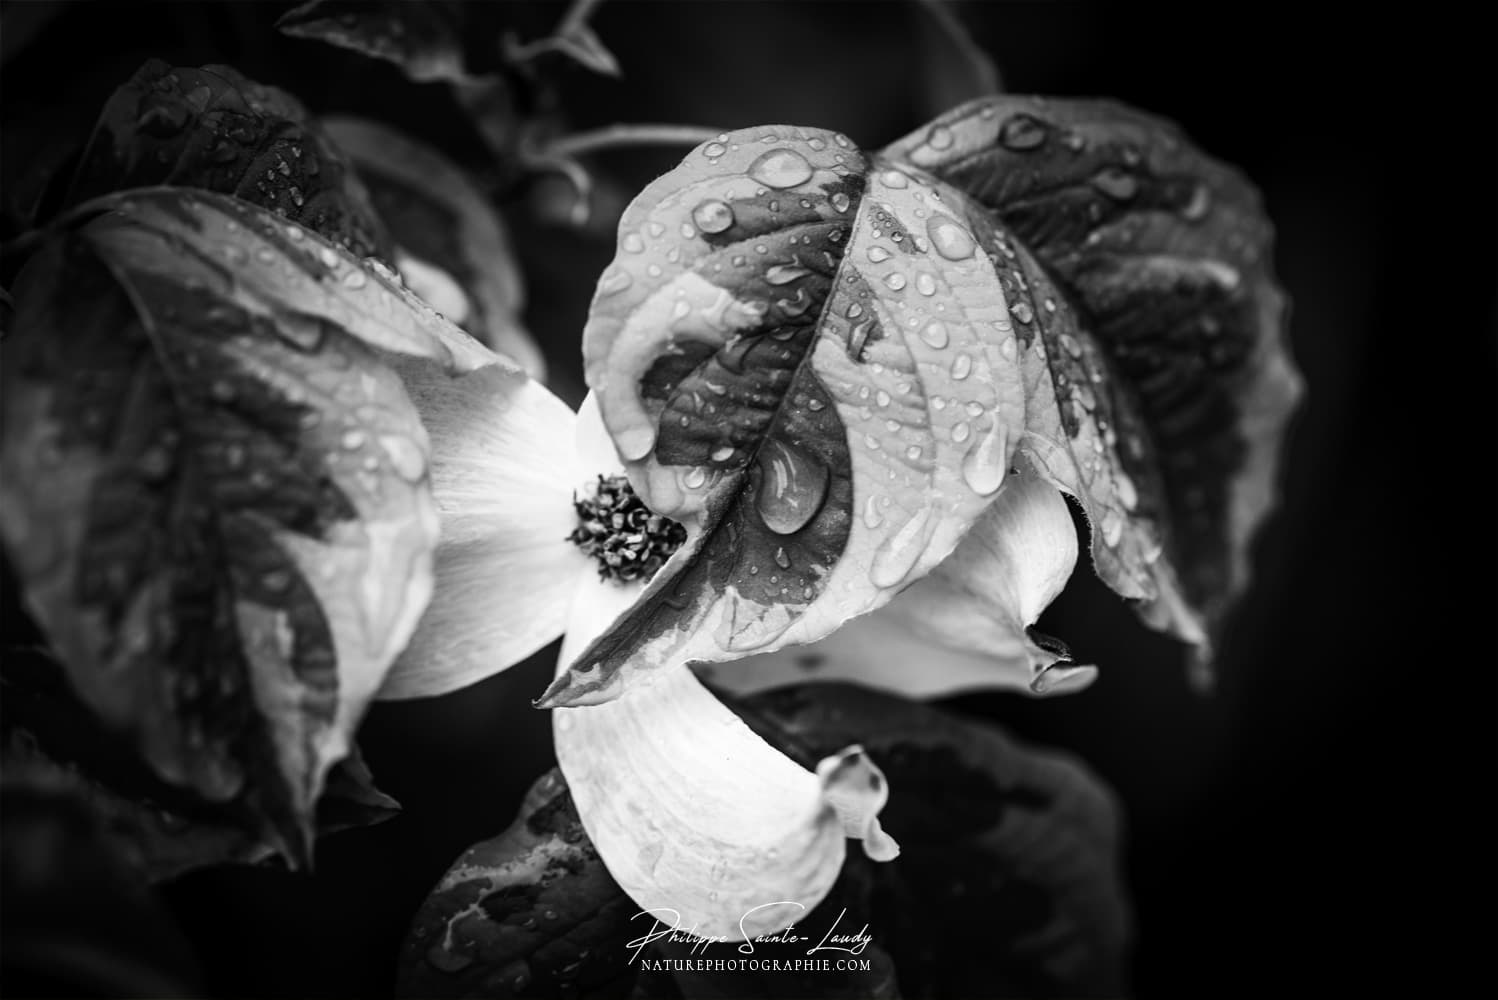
[[451, 245], [1137, 274], [531, 909], [163, 831], [215, 491], [427, 40], [213, 129], [793, 333], [1007, 852]]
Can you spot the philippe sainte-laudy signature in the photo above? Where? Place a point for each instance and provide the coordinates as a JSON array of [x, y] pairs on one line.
[[666, 926]]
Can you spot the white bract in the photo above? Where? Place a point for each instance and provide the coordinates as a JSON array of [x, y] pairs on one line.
[[688, 807]]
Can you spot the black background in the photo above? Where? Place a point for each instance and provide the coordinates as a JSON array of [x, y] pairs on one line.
[[1324, 822]]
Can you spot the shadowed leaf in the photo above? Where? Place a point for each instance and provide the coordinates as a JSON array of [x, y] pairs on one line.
[[1140, 272], [1009, 855], [452, 248], [211, 128], [215, 492]]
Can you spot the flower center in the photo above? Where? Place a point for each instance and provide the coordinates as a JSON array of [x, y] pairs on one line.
[[629, 540]]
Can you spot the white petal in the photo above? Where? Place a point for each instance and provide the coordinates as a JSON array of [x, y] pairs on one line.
[[960, 628], [503, 475], [694, 813]]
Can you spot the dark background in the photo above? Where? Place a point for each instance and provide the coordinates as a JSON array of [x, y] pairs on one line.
[[1324, 822]]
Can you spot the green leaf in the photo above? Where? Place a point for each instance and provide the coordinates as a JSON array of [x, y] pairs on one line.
[[1160, 385], [1009, 856], [824, 364], [211, 128], [452, 248], [214, 491]]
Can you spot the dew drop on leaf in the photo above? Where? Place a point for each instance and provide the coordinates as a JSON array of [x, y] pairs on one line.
[[1022, 132], [840, 202], [632, 243], [962, 367], [1022, 312], [895, 281], [712, 216], [793, 486], [986, 462], [940, 137], [897, 555], [951, 240], [878, 254], [925, 283], [781, 168]]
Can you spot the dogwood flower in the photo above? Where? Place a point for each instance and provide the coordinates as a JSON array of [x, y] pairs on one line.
[[690, 809]]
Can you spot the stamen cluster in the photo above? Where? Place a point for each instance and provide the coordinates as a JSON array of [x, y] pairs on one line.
[[629, 540]]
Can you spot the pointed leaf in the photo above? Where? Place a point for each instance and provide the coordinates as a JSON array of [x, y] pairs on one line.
[[426, 40], [213, 129], [215, 493], [1010, 853], [445, 230], [801, 355], [49, 733], [533, 908], [1138, 272]]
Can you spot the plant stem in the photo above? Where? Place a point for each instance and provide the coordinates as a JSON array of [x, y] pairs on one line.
[[625, 136]]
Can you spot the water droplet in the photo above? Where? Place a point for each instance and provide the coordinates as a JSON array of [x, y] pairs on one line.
[[986, 462], [713, 150], [634, 443], [1201, 201], [897, 555], [1127, 493], [854, 311], [1112, 527], [951, 239], [872, 516], [1116, 183], [694, 477], [961, 431], [781, 168], [722, 453], [781, 559], [793, 486], [940, 137], [962, 367], [840, 202], [784, 274], [328, 256], [355, 279], [814, 404], [405, 457], [353, 439], [614, 280], [925, 283], [881, 398], [1022, 312], [894, 179], [713, 216], [1022, 132], [934, 334], [878, 254], [632, 243], [894, 282], [913, 452]]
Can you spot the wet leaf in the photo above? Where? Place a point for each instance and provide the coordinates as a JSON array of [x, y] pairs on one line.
[[824, 362], [452, 248], [77, 920], [426, 40], [1138, 272], [162, 831], [1009, 855], [211, 128], [811, 371], [215, 492], [532, 911]]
